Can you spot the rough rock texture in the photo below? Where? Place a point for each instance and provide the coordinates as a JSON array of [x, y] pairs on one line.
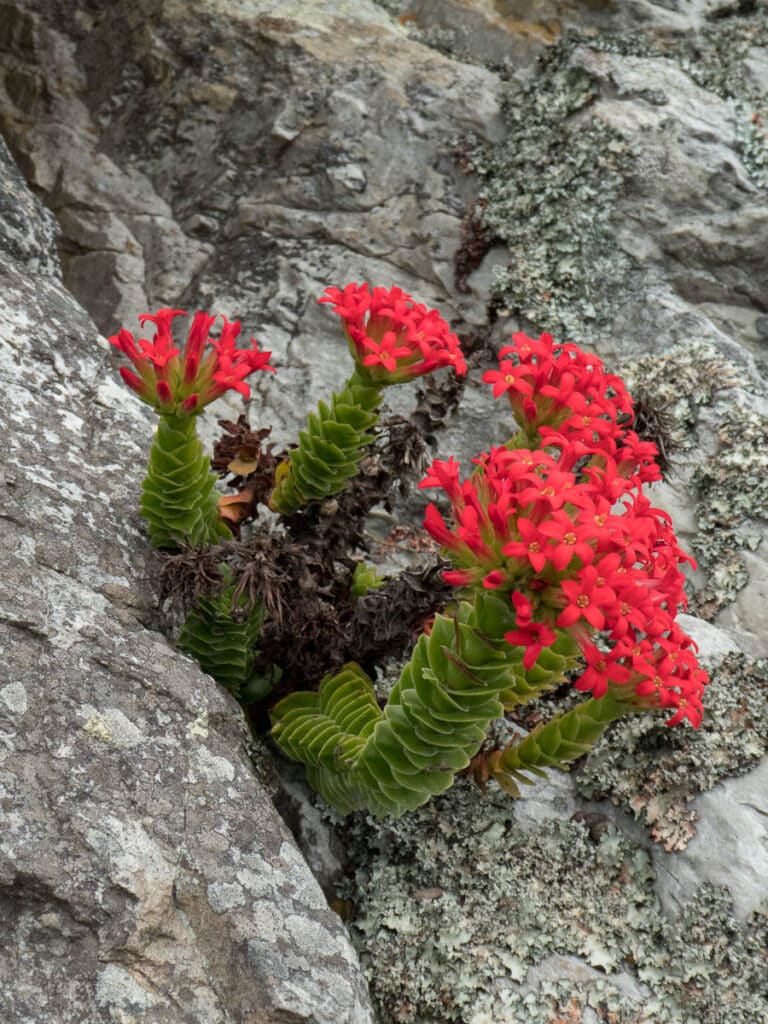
[[593, 167], [144, 875], [557, 907]]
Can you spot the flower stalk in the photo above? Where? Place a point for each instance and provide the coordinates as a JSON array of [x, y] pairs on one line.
[[391, 339], [565, 738], [459, 678], [331, 447], [178, 499]]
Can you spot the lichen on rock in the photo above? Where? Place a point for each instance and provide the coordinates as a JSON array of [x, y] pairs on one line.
[[654, 772], [548, 191], [710, 399], [465, 916], [732, 492], [683, 379], [718, 58]]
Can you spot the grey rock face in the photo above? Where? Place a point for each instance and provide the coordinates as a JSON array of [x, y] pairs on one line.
[[241, 155], [27, 229], [144, 875]]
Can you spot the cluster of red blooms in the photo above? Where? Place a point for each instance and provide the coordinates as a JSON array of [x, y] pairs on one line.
[[183, 386], [392, 337], [563, 524]]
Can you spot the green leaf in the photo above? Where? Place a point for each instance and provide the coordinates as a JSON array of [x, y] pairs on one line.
[[435, 720], [330, 449]]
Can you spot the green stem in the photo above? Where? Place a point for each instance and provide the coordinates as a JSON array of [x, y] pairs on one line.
[[178, 499], [457, 681], [330, 449], [221, 634], [565, 738]]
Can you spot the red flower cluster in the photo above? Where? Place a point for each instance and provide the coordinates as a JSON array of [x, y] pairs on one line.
[[392, 337], [568, 531], [183, 386]]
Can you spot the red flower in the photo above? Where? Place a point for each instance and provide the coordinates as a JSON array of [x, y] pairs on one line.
[[185, 386], [508, 378], [567, 541], [435, 526], [160, 350], [534, 636], [460, 577], [386, 353], [587, 597], [532, 545], [567, 529], [392, 337], [602, 669], [445, 475]]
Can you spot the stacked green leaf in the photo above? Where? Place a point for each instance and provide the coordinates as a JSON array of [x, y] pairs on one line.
[[221, 633], [457, 681], [564, 738], [364, 579], [178, 499], [330, 449]]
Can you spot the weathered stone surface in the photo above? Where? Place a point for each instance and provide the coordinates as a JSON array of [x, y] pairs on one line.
[[241, 155], [27, 229], [730, 847], [144, 874], [555, 908]]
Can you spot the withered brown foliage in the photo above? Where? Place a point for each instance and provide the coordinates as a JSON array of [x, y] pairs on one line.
[[655, 422], [302, 571], [437, 398], [241, 455], [398, 457], [387, 621], [191, 574], [475, 242], [315, 625]]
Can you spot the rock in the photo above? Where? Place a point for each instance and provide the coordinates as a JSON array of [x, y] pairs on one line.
[[552, 799], [242, 157], [730, 847], [144, 874], [713, 642], [27, 230], [701, 794], [179, 183], [121, 249], [494, 923]]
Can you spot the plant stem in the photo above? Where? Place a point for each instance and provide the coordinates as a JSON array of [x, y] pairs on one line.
[[178, 498], [330, 449]]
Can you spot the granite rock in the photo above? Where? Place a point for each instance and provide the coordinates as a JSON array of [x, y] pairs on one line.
[[144, 873], [241, 155]]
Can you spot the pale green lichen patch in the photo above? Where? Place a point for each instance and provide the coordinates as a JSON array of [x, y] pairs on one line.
[[548, 191], [654, 771], [457, 903], [716, 59], [682, 380], [731, 489]]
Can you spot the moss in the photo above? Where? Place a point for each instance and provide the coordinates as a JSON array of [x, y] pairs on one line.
[[456, 903], [654, 771]]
